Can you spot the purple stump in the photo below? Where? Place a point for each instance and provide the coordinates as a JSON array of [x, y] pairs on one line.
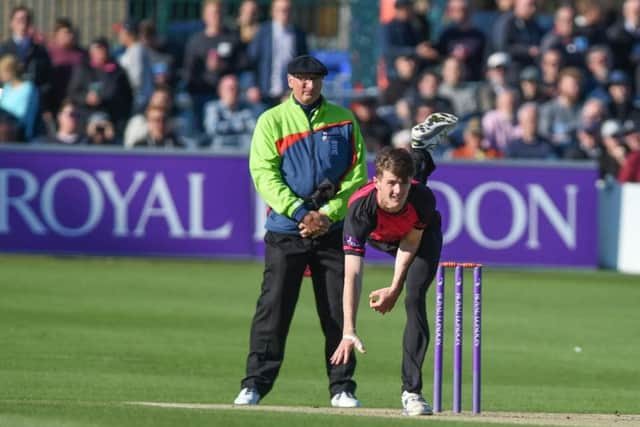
[[457, 341], [439, 336], [477, 337]]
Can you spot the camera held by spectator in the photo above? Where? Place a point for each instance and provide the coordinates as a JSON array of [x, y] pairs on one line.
[[100, 129]]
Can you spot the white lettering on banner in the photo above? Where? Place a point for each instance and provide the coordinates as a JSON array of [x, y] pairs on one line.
[[456, 209], [119, 201], [160, 192], [47, 205], [566, 229], [19, 202], [537, 200], [159, 202], [472, 215], [196, 208]]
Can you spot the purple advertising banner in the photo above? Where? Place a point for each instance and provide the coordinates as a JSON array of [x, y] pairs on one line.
[[143, 203], [499, 213], [92, 202]]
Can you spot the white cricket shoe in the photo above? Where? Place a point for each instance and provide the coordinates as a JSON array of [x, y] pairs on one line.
[[414, 404], [345, 399], [247, 396], [433, 130]]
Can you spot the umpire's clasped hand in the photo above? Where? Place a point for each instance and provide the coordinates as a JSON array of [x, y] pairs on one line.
[[314, 224]]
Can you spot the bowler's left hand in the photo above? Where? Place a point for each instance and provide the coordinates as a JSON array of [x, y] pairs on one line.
[[383, 300]]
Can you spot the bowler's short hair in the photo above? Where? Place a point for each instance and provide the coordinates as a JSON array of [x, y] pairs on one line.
[[398, 161]]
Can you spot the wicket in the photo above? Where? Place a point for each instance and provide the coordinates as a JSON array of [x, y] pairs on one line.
[[457, 336]]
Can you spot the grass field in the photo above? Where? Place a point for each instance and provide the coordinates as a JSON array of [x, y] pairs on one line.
[[79, 337]]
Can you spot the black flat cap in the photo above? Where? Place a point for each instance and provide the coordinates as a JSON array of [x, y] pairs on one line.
[[306, 64]]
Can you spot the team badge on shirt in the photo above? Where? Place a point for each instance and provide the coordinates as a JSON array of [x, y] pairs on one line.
[[353, 242]]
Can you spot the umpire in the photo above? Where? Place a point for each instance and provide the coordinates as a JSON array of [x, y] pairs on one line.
[[307, 158]]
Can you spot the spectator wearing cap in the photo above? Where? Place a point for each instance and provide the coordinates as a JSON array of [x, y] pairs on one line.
[[32, 56], [620, 106], [630, 171], [400, 36], [277, 42], [613, 152], [529, 89], [520, 35], [598, 61], [307, 158], [472, 144], [499, 125], [65, 54], [229, 121], [563, 37], [559, 117], [403, 80], [19, 97], [462, 39], [375, 130], [102, 85], [462, 95], [69, 129], [208, 56], [529, 145], [624, 37], [495, 81], [136, 62]]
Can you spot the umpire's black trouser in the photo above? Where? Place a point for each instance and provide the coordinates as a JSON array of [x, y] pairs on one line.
[[416, 331], [286, 257]]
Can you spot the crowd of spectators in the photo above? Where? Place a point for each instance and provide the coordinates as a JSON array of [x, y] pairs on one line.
[[135, 92], [522, 90]]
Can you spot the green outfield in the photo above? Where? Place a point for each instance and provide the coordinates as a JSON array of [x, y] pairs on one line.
[[80, 337]]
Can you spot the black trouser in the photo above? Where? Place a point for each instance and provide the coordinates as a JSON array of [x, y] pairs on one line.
[[286, 257], [416, 331]]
